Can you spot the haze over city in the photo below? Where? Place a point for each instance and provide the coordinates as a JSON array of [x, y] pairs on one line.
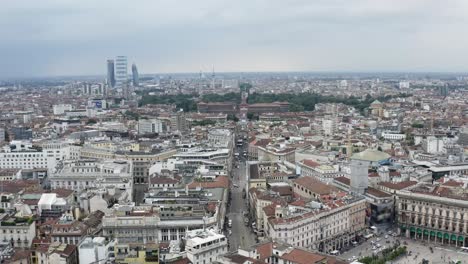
[[233, 132], [54, 38]]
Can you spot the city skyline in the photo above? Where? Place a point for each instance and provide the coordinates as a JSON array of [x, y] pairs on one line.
[[71, 38]]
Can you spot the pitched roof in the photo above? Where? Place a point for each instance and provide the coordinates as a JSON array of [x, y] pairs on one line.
[[310, 163], [163, 180], [314, 186], [265, 250], [300, 256], [62, 192], [398, 185], [343, 180], [218, 182], [377, 193]]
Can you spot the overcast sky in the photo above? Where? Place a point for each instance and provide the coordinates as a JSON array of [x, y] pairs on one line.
[[75, 37]]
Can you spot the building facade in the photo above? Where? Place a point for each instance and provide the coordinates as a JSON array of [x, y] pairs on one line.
[[121, 71], [324, 229], [203, 246], [433, 218]]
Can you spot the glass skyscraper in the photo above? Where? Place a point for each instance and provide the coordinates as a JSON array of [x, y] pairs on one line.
[[136, 79], [121, 71], [110, 73]]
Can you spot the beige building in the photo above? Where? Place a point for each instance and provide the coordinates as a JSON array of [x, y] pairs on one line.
[[276, 153], [434, 213], [321, 172], [19, 231], [141, 160], [323, 227]]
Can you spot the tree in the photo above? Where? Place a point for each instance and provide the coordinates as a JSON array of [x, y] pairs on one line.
[[252, 116], [232, 117], [91, 121], [417, 125], [181, 101], [296, 108], [245, 87]]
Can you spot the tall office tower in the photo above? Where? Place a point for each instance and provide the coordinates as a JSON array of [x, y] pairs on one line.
[[120, 71], [110, 73], [136, 79], [179, 122]]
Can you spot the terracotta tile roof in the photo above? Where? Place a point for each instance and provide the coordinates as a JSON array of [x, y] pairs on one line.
[[16, 186], [269, 210], [377, 193], [283, 190], [343, 180], [310, 163], [68, 251], [239, 259], [211, 207], [399, 185], [19, 256], [299, 202], [163, 180], [263, 142], [40, 241], [218, 182], [265, 250], [314, 186], [62, 192], [299, 256], [453, 183]]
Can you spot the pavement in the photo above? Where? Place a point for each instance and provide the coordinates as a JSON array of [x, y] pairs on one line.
[[241, 235], [441, 254], [419, 250], [365, 248]]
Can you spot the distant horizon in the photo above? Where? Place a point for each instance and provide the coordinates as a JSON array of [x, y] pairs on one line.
[[208, 74]]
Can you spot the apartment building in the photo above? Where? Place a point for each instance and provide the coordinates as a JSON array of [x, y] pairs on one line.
[[146, 224], [47, 155], [19, 231], [322, 172], [204, 245], [96, 250], [79, 175], [141, 160]]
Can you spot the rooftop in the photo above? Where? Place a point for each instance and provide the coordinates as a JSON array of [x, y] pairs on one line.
[[315, 186], [370, 155]]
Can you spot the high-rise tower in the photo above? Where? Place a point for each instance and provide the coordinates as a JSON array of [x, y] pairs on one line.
[[121, 71], [213, 79], [135, 78], [110, 73]]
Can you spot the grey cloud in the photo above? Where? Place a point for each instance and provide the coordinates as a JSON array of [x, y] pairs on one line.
[[75, 37]]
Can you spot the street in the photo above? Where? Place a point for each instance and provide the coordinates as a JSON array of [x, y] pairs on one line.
[[241, 235]]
